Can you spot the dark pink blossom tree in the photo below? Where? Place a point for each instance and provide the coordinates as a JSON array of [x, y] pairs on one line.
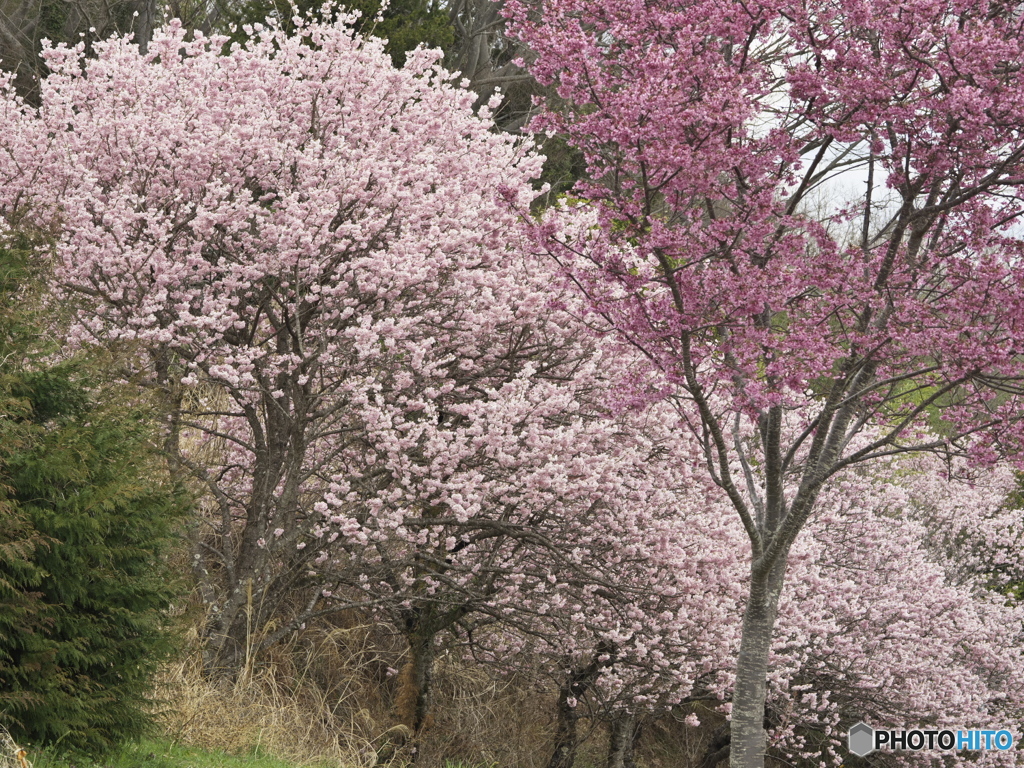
[[802, 215]]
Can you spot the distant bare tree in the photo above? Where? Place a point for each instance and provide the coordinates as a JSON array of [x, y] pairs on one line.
[[486, 56]]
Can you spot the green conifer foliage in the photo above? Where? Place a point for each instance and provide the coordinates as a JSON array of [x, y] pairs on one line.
[[85, 526]]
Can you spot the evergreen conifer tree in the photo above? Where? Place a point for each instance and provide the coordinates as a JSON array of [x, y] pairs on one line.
[[85, 525]]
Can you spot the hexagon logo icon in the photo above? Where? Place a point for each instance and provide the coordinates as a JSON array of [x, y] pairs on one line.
[[861, 739]]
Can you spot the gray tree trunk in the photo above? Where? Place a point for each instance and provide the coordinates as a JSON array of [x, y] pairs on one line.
[[23, 23], [748, 737], [625, 730]]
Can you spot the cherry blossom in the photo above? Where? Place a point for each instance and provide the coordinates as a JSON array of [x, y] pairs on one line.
[[717, 235]]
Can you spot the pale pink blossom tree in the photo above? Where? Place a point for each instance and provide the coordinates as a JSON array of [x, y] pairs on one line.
[[879, 620], [367, 371], [658, 630], [709, 127], [878, 623], [303, 249]]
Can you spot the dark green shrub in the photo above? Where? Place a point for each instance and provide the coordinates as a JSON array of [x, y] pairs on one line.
[[86, 521]]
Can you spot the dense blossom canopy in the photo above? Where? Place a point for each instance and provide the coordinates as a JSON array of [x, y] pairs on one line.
[[889, 614], [723, 140]]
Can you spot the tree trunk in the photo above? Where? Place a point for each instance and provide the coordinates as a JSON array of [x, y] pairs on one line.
[[144, 23], [225, 636], [748, 737], [572, 691], [414, 682], [566, 732], [717, 749], [625, 731]]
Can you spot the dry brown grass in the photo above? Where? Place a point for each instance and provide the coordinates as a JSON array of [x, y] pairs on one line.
[[327, 698], [483, 721], [315, 700]]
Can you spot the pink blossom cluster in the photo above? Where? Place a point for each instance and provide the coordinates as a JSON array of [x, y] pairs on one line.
[[719, 120], [889, 614]]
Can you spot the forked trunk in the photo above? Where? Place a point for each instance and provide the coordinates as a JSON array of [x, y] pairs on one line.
[[566, 732], [572, 691]]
